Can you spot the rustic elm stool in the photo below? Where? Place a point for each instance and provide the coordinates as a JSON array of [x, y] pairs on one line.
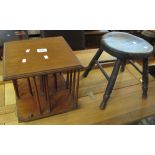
[[125, 47]]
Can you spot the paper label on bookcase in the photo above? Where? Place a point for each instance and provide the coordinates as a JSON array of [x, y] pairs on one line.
[[41, 50]]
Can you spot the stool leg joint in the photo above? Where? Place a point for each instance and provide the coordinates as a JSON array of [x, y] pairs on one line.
[[102, 70], [92, 62], [111, 83]]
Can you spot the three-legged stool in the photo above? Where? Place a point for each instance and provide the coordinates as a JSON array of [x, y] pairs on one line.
[[124, 47]]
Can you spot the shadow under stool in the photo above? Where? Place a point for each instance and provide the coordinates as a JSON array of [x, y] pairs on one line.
[[124, 47]]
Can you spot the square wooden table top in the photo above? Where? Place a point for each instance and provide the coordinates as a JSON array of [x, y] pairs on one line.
[[19, 64]]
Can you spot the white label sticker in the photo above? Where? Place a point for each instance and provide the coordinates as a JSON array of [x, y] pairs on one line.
[[23, 60], [45, 56], [27, 50], [41, 50]]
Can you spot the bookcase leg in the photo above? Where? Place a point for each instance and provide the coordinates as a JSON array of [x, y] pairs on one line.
[[30, 87], [47, 92], [70, 82], [74, 82], [77, 87], [37, 95], [55, 81], [67, 80], [15, 84]]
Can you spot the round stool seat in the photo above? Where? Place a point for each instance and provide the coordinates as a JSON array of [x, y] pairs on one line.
[[125, 45]]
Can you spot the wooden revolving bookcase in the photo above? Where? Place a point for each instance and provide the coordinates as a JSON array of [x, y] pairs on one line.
[[43, 87]]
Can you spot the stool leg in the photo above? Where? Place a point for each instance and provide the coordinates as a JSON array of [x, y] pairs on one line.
[[92, 62], [123, 66], [145, 78], [111, 83]]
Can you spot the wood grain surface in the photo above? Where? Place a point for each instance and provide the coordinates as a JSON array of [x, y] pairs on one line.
[[60, 57], [125, 105]]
